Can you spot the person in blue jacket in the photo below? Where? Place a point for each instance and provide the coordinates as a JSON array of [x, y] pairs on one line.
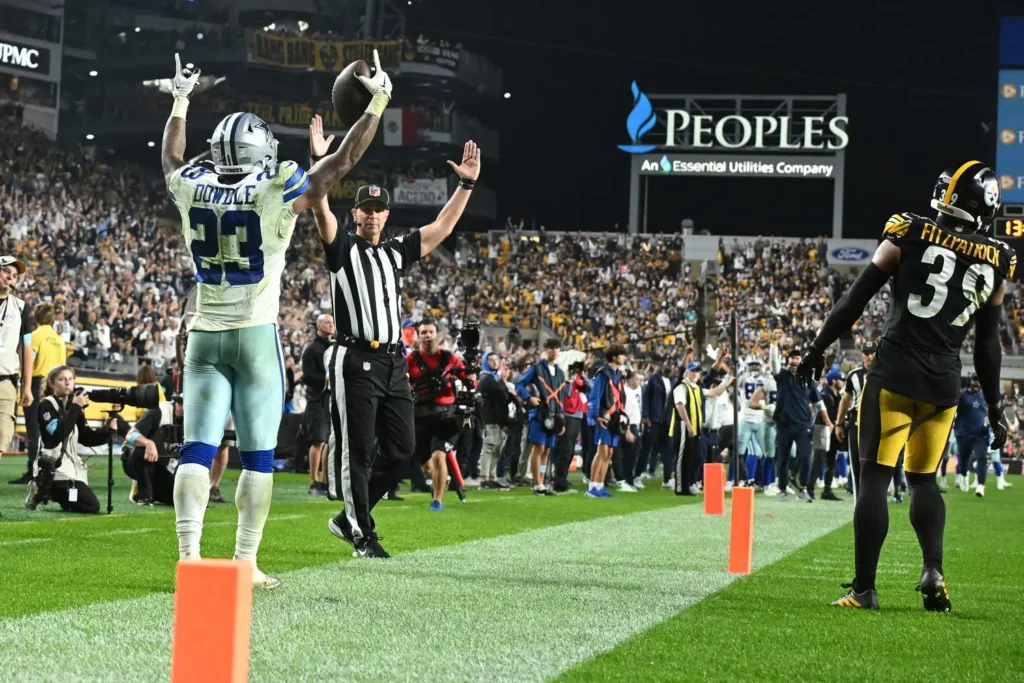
[[605, 411], [545, 389], [971, 429]]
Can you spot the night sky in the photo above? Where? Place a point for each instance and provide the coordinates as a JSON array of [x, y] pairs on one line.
[[920, 81]]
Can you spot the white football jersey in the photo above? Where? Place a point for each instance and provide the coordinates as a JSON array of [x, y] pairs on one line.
[[237, 236], [748, 385]]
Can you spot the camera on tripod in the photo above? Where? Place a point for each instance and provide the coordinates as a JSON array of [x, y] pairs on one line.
[[469, 345]]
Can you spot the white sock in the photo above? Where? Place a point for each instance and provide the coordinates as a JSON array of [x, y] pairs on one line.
[[191, 494], [252, 498]]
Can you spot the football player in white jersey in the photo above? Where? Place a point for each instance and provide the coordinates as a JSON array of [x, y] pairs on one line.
[[237, 220], [755, 388]]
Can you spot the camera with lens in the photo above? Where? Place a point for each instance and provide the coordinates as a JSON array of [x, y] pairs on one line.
[[140, 396], [469, 345]]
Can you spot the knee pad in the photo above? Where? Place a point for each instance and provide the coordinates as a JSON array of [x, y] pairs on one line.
[[198, 453], [258, 461]]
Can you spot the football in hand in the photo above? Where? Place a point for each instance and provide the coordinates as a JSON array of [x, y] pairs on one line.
[[351, 98]]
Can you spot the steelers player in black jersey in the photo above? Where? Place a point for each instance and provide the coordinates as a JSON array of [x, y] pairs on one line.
[[947, 275]]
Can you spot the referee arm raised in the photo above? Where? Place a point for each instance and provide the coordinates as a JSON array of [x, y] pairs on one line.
[[368, 376]]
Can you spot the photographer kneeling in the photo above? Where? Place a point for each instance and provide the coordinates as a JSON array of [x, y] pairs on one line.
[[150, 454], [58, 473], [432, 374]]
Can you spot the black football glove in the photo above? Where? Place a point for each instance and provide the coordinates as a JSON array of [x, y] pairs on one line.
[[811, 366], [998, 426]]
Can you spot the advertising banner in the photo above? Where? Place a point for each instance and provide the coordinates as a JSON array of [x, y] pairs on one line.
[[1010, 136], [299, 52], [737, 165], [421, 192]]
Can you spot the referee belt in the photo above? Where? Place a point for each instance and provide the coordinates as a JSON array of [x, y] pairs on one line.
[[371, 346]]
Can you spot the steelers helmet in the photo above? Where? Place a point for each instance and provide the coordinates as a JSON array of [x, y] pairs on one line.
[[241, 144], [969, 194]]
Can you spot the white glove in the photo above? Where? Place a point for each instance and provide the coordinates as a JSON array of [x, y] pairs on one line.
[[184, 79], [379, 83]]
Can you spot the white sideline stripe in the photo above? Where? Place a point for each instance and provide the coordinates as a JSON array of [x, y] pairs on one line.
[[523, 607], [24, 541], [123, 532], [281, 518]]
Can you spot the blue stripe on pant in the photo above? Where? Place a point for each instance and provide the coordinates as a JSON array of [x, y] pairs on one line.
[[239, 372]]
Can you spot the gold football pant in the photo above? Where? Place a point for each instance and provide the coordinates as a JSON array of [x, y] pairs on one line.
[[889, 422]]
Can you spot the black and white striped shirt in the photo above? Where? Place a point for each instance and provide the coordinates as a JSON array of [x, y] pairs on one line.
[[366, 284], [855, 385]]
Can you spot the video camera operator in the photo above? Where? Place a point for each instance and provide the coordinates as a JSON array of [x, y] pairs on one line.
[[59, 474], [498, 410], [432, 374], [150, 454]]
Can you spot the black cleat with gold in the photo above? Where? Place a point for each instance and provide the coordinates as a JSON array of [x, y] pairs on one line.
[[865, 600], [933, 591]]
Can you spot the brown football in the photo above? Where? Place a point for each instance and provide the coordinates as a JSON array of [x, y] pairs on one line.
[[350, 97]]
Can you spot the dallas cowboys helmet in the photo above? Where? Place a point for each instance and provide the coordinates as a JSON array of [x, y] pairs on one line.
[[242, 143], [969, 193], [753, 364]]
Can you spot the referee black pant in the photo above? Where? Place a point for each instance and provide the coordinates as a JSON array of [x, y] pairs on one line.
[[370, 401]]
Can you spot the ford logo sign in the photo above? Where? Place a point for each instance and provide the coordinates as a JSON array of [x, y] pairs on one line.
[[850, 254]]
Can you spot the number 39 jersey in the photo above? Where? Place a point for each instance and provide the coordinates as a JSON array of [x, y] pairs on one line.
[[941, 281], [237, 236]]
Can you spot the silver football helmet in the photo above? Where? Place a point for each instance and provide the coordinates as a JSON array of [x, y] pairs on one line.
[[242, 143]]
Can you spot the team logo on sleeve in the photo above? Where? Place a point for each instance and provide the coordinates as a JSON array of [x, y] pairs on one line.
[[897, 226]]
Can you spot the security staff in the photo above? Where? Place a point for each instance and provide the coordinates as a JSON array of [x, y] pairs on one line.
[[50, 351], [316, 420], [368, 375], [689, 398], [16, 361]]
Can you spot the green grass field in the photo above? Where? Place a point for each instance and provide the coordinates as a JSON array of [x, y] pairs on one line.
[[509, 587]]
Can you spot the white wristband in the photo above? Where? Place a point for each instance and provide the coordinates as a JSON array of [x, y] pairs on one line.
[[180, 107]]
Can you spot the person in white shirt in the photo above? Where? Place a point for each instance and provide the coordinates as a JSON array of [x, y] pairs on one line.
[[633, 391]]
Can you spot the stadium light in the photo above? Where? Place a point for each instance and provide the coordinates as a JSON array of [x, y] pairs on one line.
[[151, 144], [303, 26], [90, 136], [199, 36], [138, 30], [508, 95], [94, 73]]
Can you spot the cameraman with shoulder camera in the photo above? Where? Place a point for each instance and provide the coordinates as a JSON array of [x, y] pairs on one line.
[[497, 411], [432, 374], [150, 453], [59, 474]]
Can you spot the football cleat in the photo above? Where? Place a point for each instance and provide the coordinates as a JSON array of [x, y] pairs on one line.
[[339, 531], [261, 580], [864, 600], [370, 548], [933, 591]]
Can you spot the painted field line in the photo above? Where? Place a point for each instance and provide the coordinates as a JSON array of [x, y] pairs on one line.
[[24, 541]]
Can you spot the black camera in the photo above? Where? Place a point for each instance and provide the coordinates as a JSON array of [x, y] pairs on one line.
[[469, 345], [140, 396]]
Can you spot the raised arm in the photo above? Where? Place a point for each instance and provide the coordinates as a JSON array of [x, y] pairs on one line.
[[468, 171], [333, 167], [172, 149], [324, 218]]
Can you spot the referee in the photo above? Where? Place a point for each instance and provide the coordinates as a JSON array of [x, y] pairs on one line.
[[846, 420], [367, 374]]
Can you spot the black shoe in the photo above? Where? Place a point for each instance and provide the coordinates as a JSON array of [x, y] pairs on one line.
[[933, 591], [421, 489], [22, 480], [393, 495], [215, 496], [828, 495], [317, 489], [488, 484], [864, 600], [370, 547], [340, 530]]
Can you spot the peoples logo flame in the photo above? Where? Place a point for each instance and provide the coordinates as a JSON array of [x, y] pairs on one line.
[[640, 120]]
